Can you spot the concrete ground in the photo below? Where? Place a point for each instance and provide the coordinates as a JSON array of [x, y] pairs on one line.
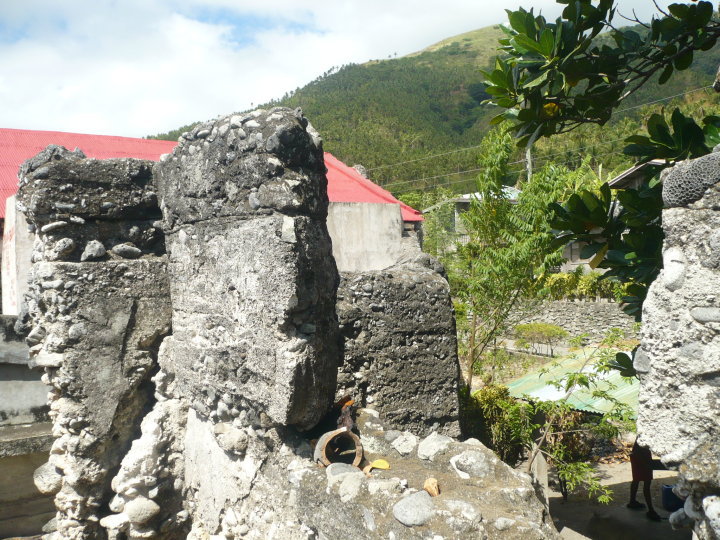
[[581, 517]]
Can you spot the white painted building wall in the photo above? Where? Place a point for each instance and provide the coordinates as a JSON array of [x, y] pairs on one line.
[[365, 236], [17, 246]]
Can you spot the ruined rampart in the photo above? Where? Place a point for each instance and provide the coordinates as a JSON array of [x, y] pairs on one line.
[[184, 315]]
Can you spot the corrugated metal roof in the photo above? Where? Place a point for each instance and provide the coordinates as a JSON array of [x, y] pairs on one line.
[[18, 145], [636, 172], [345, 184], [536, 385]]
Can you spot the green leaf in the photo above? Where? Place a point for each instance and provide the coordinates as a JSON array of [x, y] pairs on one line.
[[679, 10], [547, 42], [703, 14], [646, 151], [599, 256], [505, 102], [624, 364], [639, 139], [528, 44], [711, 130], [590, 250], [606, 195], [708, 44], [658, 129], [616, 256], [496, 91], [517, 20], [666, 74], [684, 60], [538, 80]]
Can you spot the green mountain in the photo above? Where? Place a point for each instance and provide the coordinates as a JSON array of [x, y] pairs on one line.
[[405, 109], [402, 109]]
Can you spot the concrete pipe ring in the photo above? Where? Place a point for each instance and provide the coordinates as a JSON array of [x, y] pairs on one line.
[[338, 446]]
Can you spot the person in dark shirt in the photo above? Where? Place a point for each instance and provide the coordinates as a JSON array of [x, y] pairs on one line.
[[641, 463]]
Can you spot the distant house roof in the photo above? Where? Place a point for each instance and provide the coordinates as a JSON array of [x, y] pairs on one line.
[[511, 193], [635, 173], [538, 385], [345, 184]]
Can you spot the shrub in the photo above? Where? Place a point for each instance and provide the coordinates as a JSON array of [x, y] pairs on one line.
[[532, 335], [583, 286], [500, 421]]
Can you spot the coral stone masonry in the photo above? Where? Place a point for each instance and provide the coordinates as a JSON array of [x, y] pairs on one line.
[[679, 359], [253, 282], [186, 316], [96, 322]]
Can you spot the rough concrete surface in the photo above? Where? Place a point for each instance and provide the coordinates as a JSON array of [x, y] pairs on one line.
[[400, 345], [207, 433], [366, 236], [679, 360], [95, 326], [252, 278]]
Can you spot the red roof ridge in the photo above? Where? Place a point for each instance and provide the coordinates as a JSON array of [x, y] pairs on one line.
[[376, 191], [345, 184]]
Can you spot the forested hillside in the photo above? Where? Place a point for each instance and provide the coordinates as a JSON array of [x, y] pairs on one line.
[[406, 109]]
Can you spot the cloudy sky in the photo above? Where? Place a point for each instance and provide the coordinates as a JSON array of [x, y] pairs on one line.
[[138, 67]]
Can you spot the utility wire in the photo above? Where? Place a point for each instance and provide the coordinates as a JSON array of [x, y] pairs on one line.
[[663, 99], [478, 145], [425, 188], [424, 158], [540, 159]]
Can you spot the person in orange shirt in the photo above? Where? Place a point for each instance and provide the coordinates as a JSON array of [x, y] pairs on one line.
[[641, 463]]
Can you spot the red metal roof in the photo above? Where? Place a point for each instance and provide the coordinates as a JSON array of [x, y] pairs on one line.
[[17, 145], [345, 184]]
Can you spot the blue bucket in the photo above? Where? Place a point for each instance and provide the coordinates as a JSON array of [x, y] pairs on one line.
[[670, 501]]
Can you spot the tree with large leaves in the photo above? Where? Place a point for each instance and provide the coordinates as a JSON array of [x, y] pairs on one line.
[[556, 76]]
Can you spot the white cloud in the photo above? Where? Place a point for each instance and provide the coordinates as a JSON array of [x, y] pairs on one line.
[[144, 66]]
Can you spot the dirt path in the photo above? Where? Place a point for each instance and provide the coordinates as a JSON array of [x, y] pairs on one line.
[[582, 517]]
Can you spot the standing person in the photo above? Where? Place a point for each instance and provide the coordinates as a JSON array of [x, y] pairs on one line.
[[641, 464]]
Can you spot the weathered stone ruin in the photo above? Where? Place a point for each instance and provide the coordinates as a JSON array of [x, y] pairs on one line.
[[184, 314], [100, 306], [253, 281], [679, 360], [399, 333]]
